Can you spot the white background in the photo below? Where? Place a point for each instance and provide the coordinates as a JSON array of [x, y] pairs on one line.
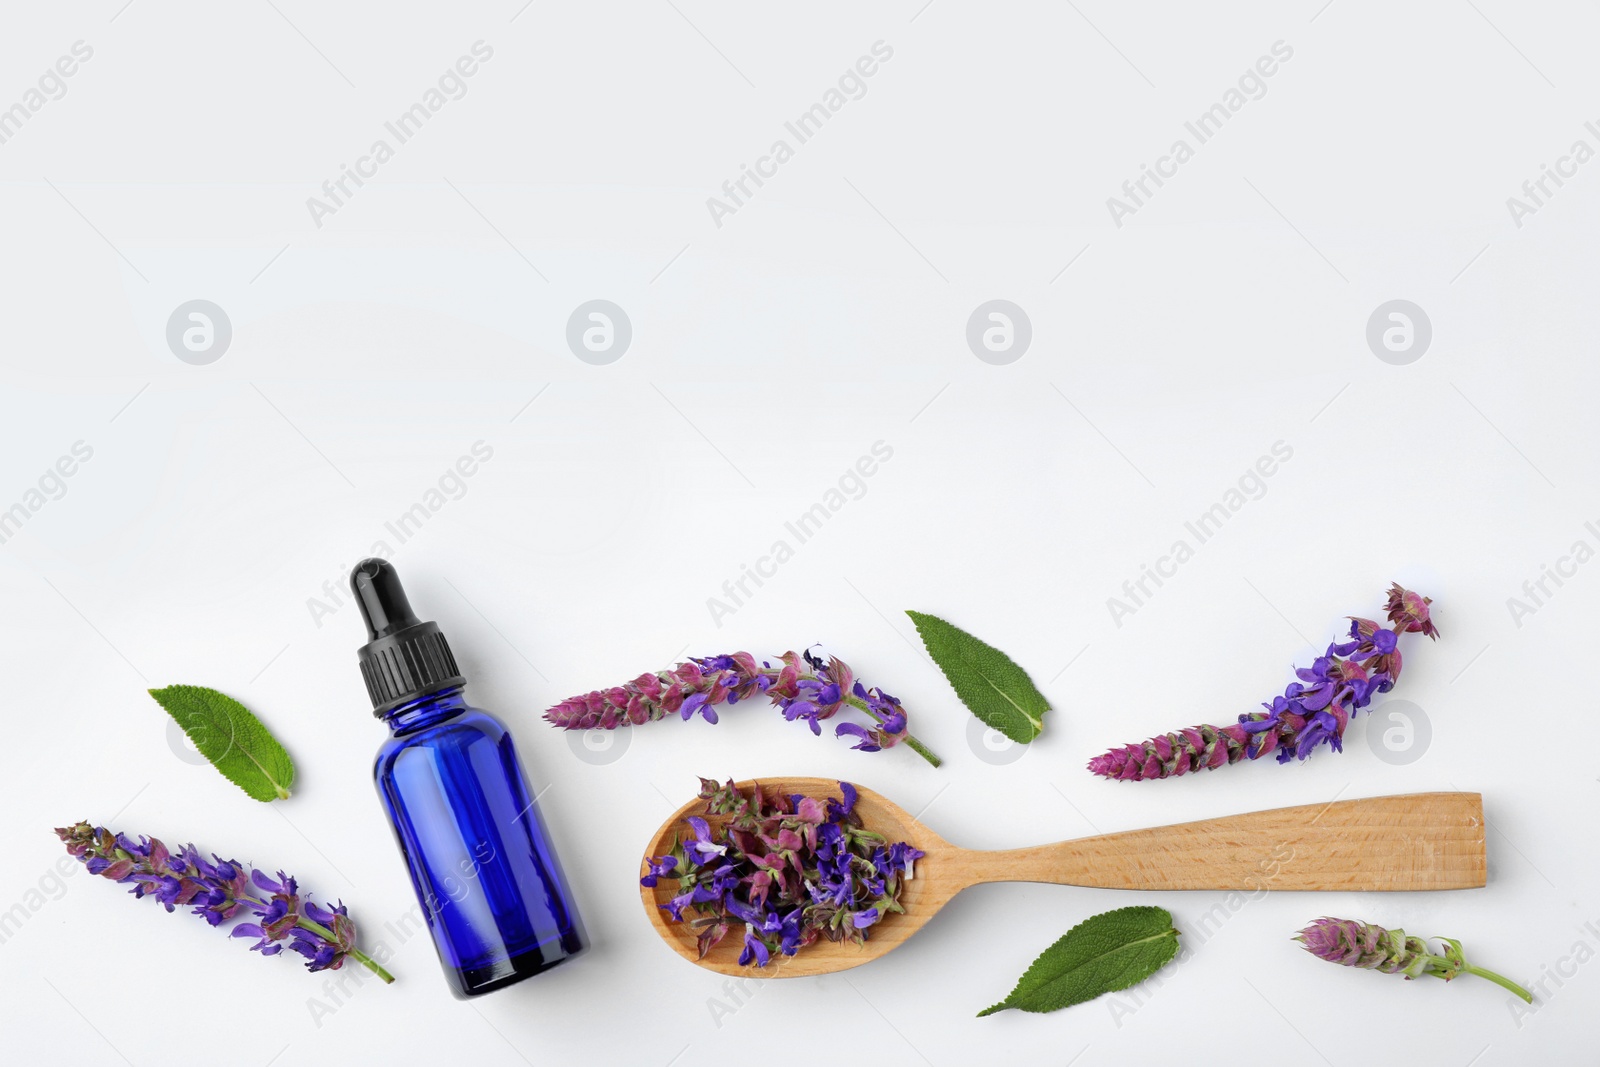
[[768, 354]]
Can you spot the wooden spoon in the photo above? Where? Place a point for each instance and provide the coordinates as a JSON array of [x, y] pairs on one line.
[[1415, 841]]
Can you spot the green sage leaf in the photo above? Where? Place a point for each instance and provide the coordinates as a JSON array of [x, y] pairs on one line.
[[988, 682], [233, 739], [1112, 951]]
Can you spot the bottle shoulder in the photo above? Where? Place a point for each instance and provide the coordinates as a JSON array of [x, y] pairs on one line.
[[463, 728]]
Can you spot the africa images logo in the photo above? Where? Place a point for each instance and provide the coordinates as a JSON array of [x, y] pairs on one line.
[[1251, 85]]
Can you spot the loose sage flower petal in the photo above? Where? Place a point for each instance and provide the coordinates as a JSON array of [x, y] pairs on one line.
[[793, 869]]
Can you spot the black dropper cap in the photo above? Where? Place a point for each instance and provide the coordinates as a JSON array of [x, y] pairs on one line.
[[404, 658]]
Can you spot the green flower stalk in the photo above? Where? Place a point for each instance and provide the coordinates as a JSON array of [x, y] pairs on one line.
[[1357, 944]]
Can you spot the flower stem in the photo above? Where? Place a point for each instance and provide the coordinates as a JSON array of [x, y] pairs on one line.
[[1502, 982], [372, 965], [916, 746], [361, 957], [922, 750]]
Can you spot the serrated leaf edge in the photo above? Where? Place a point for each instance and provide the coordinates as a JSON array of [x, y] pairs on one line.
[[281, 789], [1037, 724], [1172, 931]]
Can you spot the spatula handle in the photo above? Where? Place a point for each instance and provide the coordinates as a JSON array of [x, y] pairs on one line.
[[1410, 842]]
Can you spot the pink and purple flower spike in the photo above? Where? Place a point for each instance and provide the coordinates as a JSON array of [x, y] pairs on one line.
[[221, 891], [1312, 712], [804, 688], [1352, 943]]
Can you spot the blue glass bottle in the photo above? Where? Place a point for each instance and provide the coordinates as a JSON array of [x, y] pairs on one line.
[[490, 887]]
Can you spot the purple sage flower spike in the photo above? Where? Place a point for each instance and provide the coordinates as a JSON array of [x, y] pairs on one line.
[[1352, 943], [1311, 712], [804, 688], [220, 891]]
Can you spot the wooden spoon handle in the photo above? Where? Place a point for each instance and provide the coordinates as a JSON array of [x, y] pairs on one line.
[[1410, 842]]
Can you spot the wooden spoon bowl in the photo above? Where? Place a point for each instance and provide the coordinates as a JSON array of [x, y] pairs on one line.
[[1417, 841]]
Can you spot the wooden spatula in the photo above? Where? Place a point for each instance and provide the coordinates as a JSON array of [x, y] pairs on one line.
[[1415, 841]]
